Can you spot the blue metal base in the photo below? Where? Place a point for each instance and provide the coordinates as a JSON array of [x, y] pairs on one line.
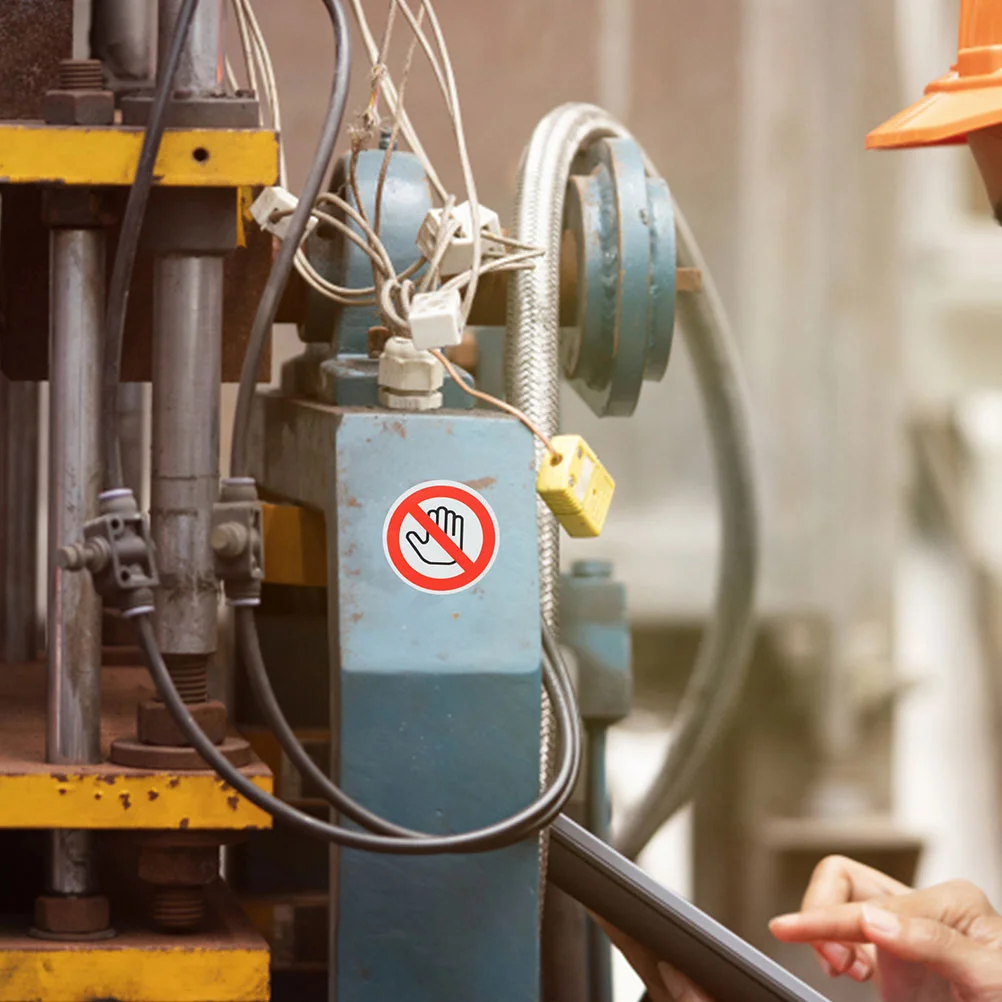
[[438, 698]]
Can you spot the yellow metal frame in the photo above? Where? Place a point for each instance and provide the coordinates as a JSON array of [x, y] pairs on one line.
[[113, 798], [229, 964], [295, 545], [108, 156]]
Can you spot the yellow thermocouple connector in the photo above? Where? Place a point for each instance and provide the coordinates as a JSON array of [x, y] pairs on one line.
[[576, 486]]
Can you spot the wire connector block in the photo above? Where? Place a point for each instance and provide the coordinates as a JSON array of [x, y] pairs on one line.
[[576, 487], [118, 552], [458, 257], [272, 211], [436, 319], [409, 379], [237, 541]]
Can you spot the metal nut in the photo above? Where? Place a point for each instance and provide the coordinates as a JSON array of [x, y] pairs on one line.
[[156, 726], [176, 866], [79, 107], [67, 916]]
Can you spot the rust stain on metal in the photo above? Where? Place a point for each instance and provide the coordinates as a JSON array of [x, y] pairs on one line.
[[152, 795], [110, 780], [183, 823], [98, 796], [233, 802], [356, 616], [455, 615], [63, 791], [482, 483], [397, 427], [352, 502], [174, 782], [126, 800]]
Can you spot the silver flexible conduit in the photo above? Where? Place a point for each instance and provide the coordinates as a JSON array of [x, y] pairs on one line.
[[533, 380]]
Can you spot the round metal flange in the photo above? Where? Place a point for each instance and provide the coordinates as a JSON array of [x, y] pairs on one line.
[[620, 226]]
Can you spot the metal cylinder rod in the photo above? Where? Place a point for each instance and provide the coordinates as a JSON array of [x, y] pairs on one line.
[[131, 411], [122, 36], [19, 452], [74, 633], [187, 339], [201, 72]]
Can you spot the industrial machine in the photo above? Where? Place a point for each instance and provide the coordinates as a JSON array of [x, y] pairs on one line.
[[352, 798]]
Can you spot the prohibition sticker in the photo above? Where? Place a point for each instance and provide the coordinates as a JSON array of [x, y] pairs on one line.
[[440, 537]]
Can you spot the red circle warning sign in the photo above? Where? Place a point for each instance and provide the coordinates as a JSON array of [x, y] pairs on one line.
[[440, 537]]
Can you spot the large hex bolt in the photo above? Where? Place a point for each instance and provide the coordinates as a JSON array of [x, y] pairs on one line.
[[72, 918], [156, 726], [81, 98], [179, 866]]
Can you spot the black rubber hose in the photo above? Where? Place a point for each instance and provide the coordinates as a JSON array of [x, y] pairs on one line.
[[497, 836], [282, 267], [128, 247]]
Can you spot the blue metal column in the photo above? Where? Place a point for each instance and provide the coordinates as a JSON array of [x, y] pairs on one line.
[[438, 698]]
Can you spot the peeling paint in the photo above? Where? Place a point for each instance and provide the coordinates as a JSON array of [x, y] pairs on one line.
[[233, 802], [152, 795], [126, 800]]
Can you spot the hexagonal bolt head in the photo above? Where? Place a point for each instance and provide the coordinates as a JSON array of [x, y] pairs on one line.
[[69, 916], [79, 107], [155, 725], [178, 866]]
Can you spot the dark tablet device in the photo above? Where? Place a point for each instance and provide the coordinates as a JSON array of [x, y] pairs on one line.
[[612, 887]]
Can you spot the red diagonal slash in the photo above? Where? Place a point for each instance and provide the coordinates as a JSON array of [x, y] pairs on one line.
[[421, 517]]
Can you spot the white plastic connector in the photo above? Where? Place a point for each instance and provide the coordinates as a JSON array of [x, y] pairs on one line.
[[409, 379], [269, 203], [436, 319], [459, 257]]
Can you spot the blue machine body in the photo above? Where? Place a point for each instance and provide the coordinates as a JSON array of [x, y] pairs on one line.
[[438, 698]]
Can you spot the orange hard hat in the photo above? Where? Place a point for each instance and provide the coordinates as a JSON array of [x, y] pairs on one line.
[[968, 98]]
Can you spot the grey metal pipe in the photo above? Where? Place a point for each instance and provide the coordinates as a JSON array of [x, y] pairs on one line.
[[19, 457], [533, 378], [187, 339], [203, 64], [122, 37], [74, 621]]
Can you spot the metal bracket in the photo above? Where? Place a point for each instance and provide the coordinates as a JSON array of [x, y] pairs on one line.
[[236, 541], [118, 553]]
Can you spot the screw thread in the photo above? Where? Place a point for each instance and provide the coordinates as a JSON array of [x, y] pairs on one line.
[[177, 909], [81, 74], [190, 674]]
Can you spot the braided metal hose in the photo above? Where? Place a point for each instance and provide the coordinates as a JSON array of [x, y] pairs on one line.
[[533, 380]]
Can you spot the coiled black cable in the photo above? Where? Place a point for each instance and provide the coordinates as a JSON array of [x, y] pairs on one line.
[[497, 836]]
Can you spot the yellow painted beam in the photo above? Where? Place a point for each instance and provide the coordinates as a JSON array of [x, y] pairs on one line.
[[181, 974], [228, 962], [295, 545], [108, 156], [108, 797]]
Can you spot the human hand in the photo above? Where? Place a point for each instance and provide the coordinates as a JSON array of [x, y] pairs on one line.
[[663, 982], [939, 945]]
